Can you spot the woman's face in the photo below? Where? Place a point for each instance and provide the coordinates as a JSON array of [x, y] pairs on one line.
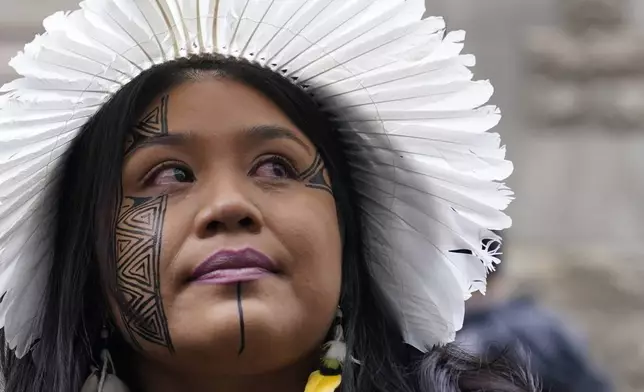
[[227, 240]]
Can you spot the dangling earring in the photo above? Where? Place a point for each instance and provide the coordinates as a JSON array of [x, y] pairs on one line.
[[329, 377], [102, 381]]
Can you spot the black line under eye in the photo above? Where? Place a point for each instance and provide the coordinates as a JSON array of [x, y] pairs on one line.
[[274, 167]]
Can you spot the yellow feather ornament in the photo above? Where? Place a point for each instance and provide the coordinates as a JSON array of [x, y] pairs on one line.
[[329, 377], [319, 382]]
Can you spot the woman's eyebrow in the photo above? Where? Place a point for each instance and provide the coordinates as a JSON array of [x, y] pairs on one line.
[[263, 133], [171, 139], [256, 134]]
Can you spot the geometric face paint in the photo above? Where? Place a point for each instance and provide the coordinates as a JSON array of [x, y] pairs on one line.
[[139, 230], [138, 235], [314, 175], [154, 123]]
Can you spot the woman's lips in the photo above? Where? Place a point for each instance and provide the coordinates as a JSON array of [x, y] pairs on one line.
[[230, 276], [233, 266]]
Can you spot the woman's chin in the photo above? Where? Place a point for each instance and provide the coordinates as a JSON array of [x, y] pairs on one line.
[[265, 327], [228, 334]]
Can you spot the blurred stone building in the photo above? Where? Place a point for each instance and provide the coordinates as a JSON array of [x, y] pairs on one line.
[[569, 76]]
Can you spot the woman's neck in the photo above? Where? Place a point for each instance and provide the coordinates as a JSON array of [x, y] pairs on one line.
[[293, 378]]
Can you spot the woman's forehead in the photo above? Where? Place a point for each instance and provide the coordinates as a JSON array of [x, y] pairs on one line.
[[216, 105], [219, 101]]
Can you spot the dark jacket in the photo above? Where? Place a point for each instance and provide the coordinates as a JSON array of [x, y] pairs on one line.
[[521, 328]]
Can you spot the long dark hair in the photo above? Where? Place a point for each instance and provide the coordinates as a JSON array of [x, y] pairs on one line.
[[75, 310]]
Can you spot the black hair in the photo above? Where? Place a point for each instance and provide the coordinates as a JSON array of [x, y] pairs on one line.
[[76, 305]]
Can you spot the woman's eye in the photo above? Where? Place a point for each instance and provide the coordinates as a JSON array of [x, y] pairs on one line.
[[275, 168], [172, 175]]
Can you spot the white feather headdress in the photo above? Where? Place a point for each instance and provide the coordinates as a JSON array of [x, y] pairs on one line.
[[430, 183]]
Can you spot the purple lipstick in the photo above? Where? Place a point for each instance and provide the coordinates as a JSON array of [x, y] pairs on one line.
[[230, 267]]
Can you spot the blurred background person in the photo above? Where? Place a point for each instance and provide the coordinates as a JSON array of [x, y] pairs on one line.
[[499, 323]]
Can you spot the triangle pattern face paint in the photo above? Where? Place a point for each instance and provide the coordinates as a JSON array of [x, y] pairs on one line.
[[139, 230], [155, 122], [152, 124], [316, 175]]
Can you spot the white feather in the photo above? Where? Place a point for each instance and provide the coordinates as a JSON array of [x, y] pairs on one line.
[[337, 350], [445, 71]]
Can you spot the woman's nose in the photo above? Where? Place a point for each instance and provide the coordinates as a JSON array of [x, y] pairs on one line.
[[227, 208]]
